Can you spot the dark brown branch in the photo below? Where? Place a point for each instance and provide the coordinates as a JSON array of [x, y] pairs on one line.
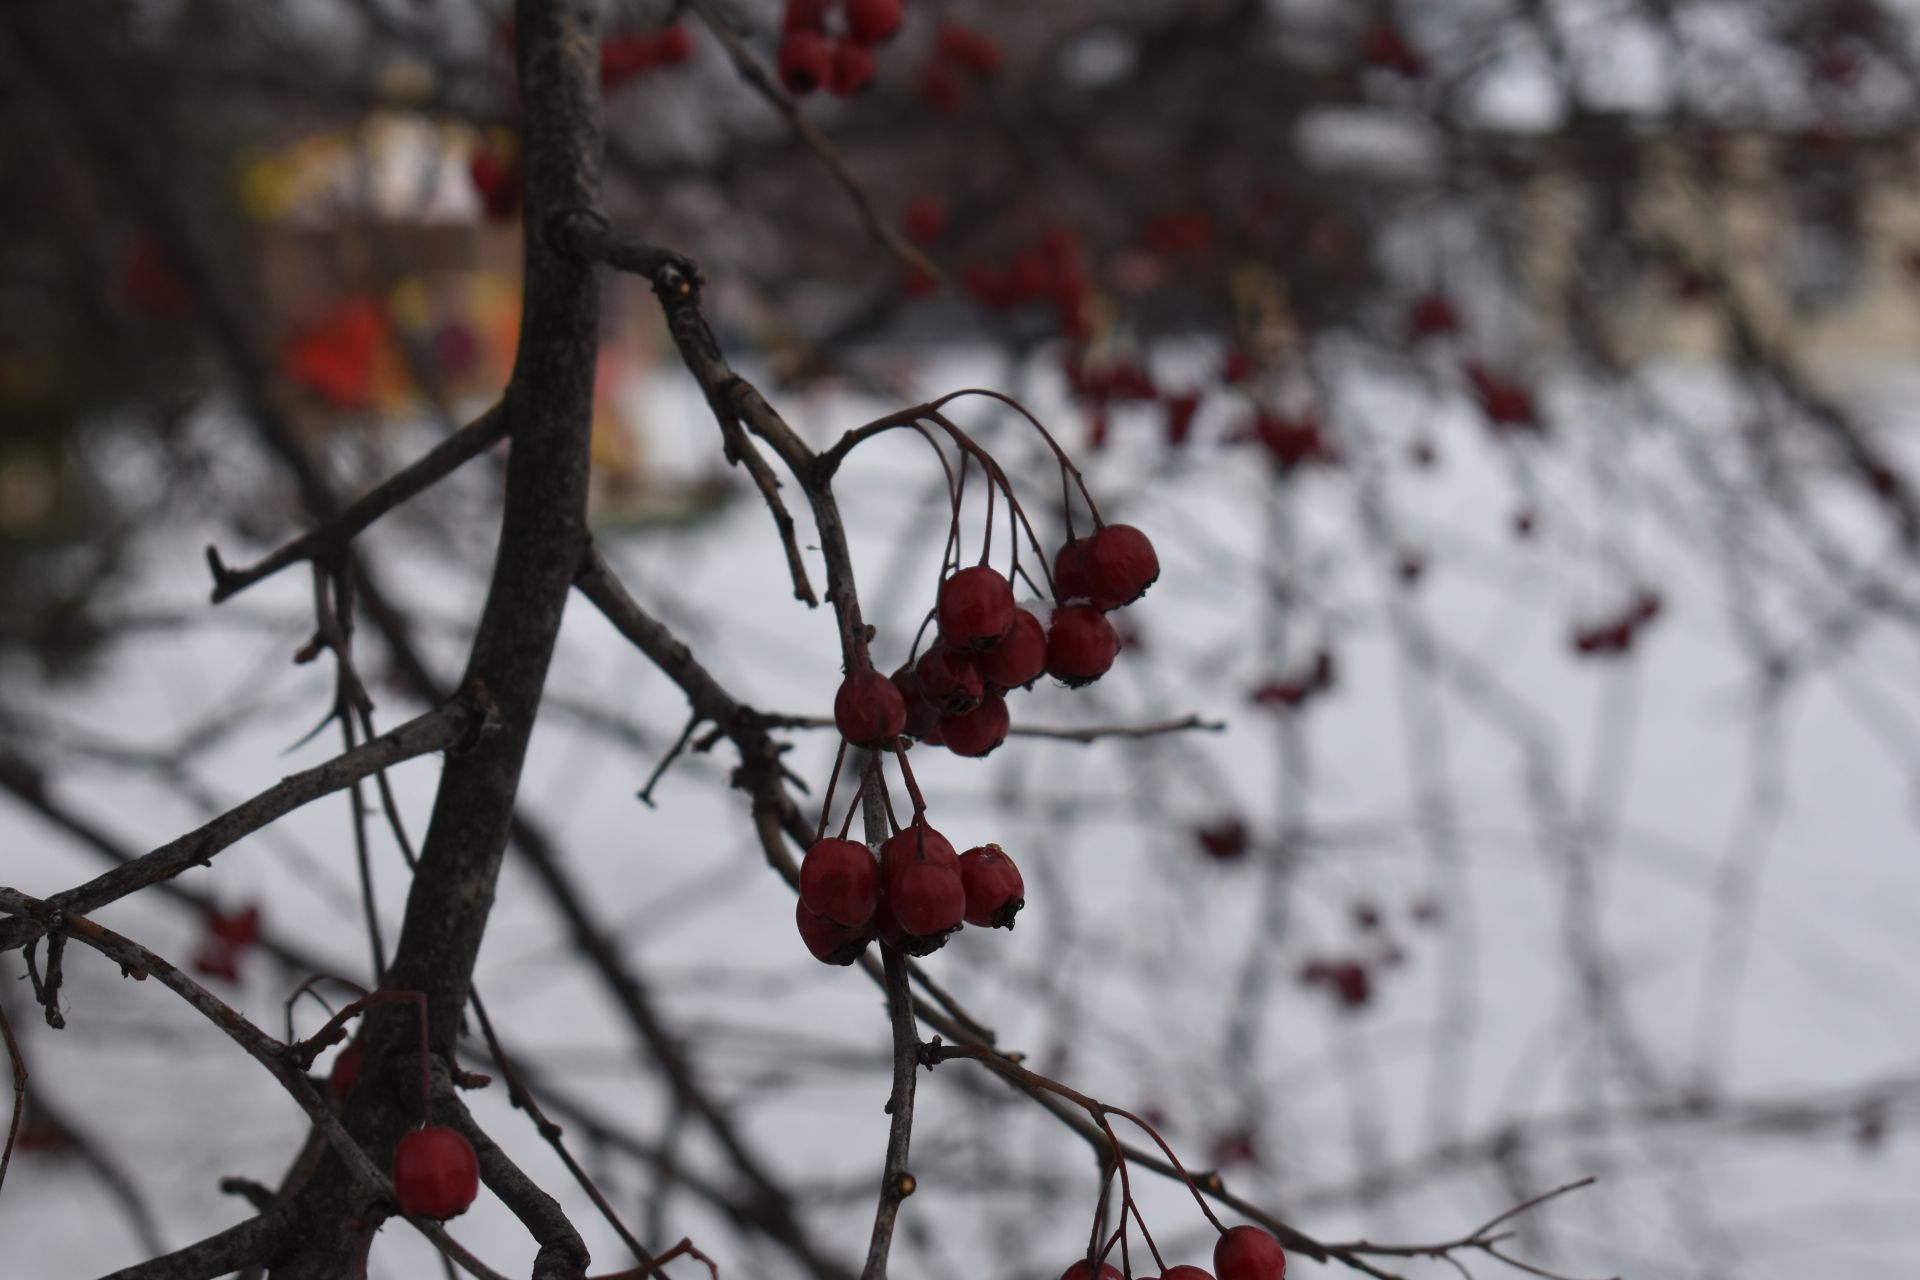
[[240, 1245], [330, 538], [460, 721]]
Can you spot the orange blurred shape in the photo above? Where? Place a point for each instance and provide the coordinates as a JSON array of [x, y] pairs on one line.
[[335, 355]]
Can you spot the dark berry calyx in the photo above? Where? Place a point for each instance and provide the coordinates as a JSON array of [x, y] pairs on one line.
[[995, 891]]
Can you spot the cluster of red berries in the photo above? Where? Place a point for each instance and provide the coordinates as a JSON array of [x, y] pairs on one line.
[[955, 694], [1241, 1253], [811, 58], [227, 939], [958, 51], [1614, 636], [1350, 980], [622, 58], [916, 896], [1290, 691]]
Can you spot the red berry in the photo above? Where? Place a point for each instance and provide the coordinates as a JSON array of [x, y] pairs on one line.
[[974, 50], [1081, 644], [1226, 839], [624, 57], [1071, 580], [840, 882], [1081, 1270], [1433, 315], [1121, 564], [915, 844], [995, 891], [1180, 413], [1387, 48], [949, 681], [241, 929], [831, 943], [805, 15], [925, 219], [919, 284], [871, 21], [673, 45], [1019, 657], [939, 87], [806, 61], [1507, 404], [977, 732], [346, 1069], [216, 959], [927, 899], [1186, 1273], [1248, 1253], [1353, 984], [976, 608], [869, 709], [435, 1173], [852, 69], [921, 715], [899, 939], [496, 180]]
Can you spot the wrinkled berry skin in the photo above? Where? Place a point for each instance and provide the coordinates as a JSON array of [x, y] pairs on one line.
[[1248, 1253], [840, 881], [995, 891], [869, 709], [828, 942], [975, 608], [977, 732], [949, 681], [435, 1173], [1018, 658], [1121, 564], [1081, 644]]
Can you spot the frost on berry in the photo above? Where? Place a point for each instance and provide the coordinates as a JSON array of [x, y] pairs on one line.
[[1019, 657], [869, 709], [949, 680], [977, 732], [1121, 565], [1248, 1253], [831, 943], [995, 891], [975, 608], [840, 881], [1081, 644]]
